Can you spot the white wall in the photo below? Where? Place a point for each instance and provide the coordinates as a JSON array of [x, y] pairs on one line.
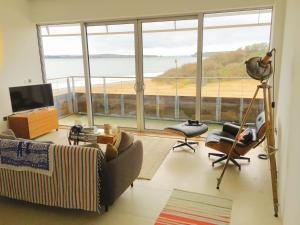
[[288, 117], [277, 39], [83, 10], [19, 60], [19, 57]]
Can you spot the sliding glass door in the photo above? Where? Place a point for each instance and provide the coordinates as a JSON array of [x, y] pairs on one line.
[[169, 71], [111, 50], [229, 39], [149, 73]]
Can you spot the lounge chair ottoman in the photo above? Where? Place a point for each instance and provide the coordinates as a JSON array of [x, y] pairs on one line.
[[187, 131]]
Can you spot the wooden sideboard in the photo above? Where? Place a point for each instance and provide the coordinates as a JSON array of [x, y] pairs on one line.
[[33, 124]]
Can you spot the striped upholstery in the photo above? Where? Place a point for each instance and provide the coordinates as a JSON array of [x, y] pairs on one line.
[[75, 182]]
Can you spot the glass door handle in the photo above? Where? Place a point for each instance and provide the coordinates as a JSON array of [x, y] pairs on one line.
[[135, 87], [138, 87]]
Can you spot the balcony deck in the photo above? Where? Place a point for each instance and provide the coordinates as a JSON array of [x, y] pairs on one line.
[[167, 101], [152, 124]]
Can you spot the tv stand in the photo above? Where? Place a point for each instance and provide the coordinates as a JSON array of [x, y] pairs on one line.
[[30, 125]]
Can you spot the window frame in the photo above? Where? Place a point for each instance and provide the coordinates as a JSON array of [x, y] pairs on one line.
[[137, 21]]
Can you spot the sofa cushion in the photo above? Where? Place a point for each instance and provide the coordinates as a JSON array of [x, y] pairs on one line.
[[111, 152], [126, 141]]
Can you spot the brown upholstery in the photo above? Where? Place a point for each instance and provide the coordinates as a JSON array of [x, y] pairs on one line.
[[222, 141]]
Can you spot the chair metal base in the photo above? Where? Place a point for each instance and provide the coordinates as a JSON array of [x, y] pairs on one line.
[[186, 143], [224, 157]]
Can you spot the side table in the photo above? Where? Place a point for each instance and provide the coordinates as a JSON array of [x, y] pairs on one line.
[[97, 137]]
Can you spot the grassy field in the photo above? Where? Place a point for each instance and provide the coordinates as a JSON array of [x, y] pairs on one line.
[[242, 88]]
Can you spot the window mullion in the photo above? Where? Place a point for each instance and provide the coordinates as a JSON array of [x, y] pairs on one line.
[[199, 66]]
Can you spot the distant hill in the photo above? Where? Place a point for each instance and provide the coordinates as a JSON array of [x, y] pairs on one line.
[[215, 64], [221, 64], [206, 54]]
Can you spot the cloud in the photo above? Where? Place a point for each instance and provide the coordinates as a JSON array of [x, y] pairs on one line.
[[162, 43]]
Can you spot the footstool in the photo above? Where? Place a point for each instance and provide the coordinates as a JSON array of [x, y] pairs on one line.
[[187, 131]]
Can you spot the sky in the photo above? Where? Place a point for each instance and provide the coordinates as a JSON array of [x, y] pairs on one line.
[[175, 43]]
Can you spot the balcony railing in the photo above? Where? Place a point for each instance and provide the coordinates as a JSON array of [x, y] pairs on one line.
[[222, 98]]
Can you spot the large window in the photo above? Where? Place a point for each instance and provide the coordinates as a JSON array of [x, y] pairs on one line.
[[63, 67], [169, 60], [112, 71], [229, 39], [145, 74]]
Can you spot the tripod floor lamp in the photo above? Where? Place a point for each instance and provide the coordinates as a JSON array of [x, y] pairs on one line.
[[261, 69]]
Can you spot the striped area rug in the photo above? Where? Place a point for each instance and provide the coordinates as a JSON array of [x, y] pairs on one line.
[[195, 209]]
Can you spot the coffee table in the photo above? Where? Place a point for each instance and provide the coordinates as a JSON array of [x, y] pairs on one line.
[[94, 137]]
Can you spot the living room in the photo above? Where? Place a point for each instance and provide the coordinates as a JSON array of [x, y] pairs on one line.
[[135, 66]]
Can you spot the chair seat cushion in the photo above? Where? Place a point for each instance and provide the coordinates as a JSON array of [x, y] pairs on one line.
[[188, 131], [221, 136], [215, 136]]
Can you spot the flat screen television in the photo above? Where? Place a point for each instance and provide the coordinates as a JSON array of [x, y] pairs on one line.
[[31, 97]]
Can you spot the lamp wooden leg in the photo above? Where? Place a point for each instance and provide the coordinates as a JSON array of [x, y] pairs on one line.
[[271, 146]]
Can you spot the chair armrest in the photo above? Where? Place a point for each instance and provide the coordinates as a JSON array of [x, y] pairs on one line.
[[231, 128], [231, 141]]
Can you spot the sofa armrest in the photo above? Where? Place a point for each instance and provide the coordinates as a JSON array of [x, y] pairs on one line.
[[120, 172]]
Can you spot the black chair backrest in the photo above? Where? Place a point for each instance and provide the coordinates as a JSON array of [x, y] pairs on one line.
[[260, 125]]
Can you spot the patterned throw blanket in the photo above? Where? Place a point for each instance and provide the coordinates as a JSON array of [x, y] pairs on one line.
[[26, 156]]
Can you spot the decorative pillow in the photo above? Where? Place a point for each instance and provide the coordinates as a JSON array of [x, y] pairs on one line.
[[111, 152], [126, 142], [8, 134], [5, 136], [118, 140], [246, 136]]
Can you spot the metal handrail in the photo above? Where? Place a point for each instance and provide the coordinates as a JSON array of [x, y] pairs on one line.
[[70, 84], [133, 77]]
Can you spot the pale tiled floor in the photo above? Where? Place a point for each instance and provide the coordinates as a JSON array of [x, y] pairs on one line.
[[249, 189]]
